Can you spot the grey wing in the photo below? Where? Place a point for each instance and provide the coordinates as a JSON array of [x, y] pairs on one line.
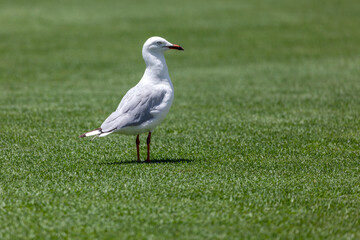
[[134, 109]]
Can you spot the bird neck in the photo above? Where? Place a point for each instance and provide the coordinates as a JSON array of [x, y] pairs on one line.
[[156, 67]]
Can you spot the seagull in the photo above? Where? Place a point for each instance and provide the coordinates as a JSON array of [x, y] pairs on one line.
[[144, 106]]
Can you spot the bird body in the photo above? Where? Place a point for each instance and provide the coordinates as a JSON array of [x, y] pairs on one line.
[[145, 105], [150, 104]]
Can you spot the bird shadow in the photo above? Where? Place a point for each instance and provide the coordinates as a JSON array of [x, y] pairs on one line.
[[154, 161]]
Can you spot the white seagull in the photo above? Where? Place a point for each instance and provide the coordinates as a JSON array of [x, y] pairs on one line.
[[144, 106]]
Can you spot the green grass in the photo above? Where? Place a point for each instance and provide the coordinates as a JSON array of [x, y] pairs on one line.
[[262, 141]]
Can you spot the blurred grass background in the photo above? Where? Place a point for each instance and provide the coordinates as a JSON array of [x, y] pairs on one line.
[[262, 140]]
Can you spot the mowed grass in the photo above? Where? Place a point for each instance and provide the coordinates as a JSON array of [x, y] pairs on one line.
[[262, 140]]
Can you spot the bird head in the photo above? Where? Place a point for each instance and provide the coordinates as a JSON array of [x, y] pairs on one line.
[[159, 44]]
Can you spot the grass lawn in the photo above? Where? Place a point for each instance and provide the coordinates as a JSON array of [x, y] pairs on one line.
[[262, 141]]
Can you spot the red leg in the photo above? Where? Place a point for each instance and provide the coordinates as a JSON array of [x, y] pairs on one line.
[[137, 147], [148, 147]]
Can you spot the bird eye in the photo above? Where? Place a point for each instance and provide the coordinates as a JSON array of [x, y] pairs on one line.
[[158, 43]]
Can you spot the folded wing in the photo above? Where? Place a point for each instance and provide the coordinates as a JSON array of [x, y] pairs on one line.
[[136, 107]]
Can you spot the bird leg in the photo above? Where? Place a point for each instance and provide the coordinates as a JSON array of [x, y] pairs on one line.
[[137, 147], [148, 147]]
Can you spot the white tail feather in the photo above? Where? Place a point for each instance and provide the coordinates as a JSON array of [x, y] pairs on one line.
[[92, 133], [96, 132], [104, 134]]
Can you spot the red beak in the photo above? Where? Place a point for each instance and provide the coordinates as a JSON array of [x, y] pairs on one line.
[[177, 47]]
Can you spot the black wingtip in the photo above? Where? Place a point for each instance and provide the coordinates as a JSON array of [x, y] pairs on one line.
[[82, 135]]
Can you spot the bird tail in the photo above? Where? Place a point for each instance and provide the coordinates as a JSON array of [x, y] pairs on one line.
[[96, 132]]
